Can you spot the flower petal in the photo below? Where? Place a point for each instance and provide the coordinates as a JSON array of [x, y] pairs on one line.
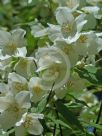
[[20, 131], [4, 38], [7, 120], [23, 99], [36, 128], [63, 15]]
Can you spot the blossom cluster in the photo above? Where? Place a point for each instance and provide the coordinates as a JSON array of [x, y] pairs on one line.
[[25, 80]]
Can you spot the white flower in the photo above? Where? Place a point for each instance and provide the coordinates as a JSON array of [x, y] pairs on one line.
[[86, 44], [25, 67], [29, 123], [46, 57], [89, 98], [68, 25], [36, 88], [76, 84], [10, 41], [17, 83], [53, 66], [12, 107], [68, 49]]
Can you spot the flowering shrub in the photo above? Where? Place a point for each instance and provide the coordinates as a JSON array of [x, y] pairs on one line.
[[50, 68]]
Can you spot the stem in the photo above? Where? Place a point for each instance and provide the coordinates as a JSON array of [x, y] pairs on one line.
[[60, 130], [98, 117], [54, 131], [48, 98]]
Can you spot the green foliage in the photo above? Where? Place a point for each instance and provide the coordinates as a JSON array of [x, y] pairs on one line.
[[68, 115]]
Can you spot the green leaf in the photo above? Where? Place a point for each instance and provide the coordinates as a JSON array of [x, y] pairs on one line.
[[62, 124], [68, 115], [59, 122], [87, 74], [42, 104], [78, 101], [91, 69]]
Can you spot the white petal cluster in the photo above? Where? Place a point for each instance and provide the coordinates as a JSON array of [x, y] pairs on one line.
[[26, 79], [16, 93]]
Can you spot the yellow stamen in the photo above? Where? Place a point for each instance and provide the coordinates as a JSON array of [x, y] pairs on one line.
[[82, 39], [20, 87], [28, 122], [11, 47], [23, 63], [37, 90], [66, 28]]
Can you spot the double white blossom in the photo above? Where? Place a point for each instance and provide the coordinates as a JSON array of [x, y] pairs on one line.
[[53, 66], [68, 49]]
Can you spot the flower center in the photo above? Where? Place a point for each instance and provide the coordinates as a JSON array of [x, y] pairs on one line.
[[54, 71], [67, 49], [36, 89], [28, 122], [82, 39], [66, 28], [14, 108], [11, 47], [19, 87], [24, 63], [70, 83]]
